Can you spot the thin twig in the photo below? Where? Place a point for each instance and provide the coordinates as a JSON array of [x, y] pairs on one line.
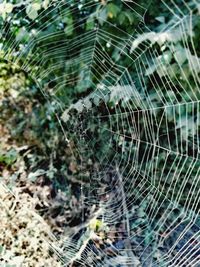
[[125, 212]]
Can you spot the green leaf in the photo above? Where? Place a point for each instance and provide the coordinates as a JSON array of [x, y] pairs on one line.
[[9, 157], [180, 55], [102, 16], [112, 10], [95, 224], [67, 18], [8, 7], [45, 4], [90, 24], [33, 175], [69, 30], [122, 18], [36, 6], [160, 19], [22, 34], [32, 10], [5, 8], [130, 17], [69, 21]]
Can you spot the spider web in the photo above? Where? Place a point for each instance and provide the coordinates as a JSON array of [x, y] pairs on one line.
[[149, 165]]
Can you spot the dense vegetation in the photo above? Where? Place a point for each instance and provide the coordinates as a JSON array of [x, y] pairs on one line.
[[68, 71]]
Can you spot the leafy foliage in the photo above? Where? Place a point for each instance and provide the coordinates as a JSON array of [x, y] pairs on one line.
[[30, 119]]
